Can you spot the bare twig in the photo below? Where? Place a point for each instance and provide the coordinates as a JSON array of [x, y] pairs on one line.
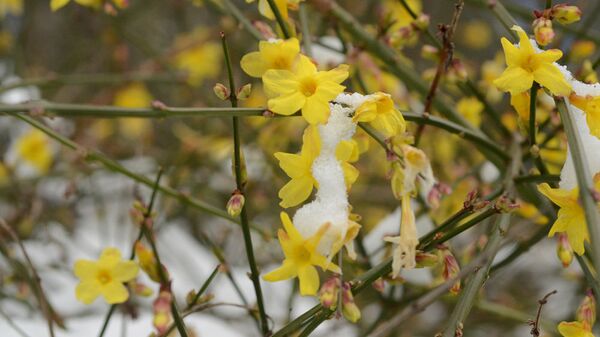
[[535, 324]]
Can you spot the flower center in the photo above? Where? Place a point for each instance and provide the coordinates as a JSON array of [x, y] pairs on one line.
[[301, 254], [281, 62], [104, 277], [308, 86]]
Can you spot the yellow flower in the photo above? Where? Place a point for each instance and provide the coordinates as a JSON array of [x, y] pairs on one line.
[[574, 329], [298, 167], [470, 108], [134, 95], [280, 54], [34, 148], [582, 49], [525, 65], [14, 7], [400, 16], [382, 115], [196, 56], [571, 217], [282, 6], [301, 257], [104, 277], [591, 107], [477, 34], [148, 262], [521, 102], [58, 4], [304, 89]]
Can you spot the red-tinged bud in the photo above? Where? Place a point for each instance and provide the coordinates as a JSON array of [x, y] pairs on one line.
[[422, 22], [542, 29], [265, 30], [148, 263], [586, 313], [423, 259], [349, 308], [140, 289], [221, 91], [436, 193], [450, 270], [329, 292], [430, 52], [161, 308], [244, 92], [566, 14], [235, 203], [379, 285], [564, 250], [505, 205]]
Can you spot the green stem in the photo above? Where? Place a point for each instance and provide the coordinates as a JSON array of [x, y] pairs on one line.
[[584, 179], [254, 273], [469, 293], [589, 275], [279, 18], [306, 36], [203, 287], [52, 109], [95, 156]]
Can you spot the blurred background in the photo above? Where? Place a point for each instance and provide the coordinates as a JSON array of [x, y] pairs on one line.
[[65, 207]]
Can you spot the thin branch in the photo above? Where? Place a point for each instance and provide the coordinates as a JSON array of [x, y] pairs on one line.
[[535, 324]]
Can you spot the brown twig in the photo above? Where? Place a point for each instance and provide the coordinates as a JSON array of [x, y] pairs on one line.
[[36, 280], [446, 55], [535, 329]]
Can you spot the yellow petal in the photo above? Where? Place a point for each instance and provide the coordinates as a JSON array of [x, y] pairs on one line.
[[514, 80], [315, 110], [290, 229], [285, 272], [309, 280], [58, 4], [114, 292], [109, 257], [305, 66], [592, 116], [125, 271], [287, 104], [350, 174], [252, 64], [344, 150], [551, 78], [524, 42], [561, 197], [521, 103], [277, 82], [311, 143], [512, 54], [324, 263], [85, 269], [336, 75], [548, 56], [292, 164], [573, 329], [87, 292], [328, 90], [296, 191]]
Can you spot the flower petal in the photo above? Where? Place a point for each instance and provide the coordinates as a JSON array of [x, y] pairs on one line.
[[277, 82], [286, 271], [514, 80], [315, 110], [559, 196], [309, 280], [550, 77], [114, 292], [292, 164], [85, 269], [125, 271], [87, 291], [295, 191], [253, 64], [287, 104]]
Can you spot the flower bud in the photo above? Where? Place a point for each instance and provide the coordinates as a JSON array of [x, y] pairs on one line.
[[426, 259], [191, 300], [402, 37], [161, 308], [328, 295], [505, 205], [421, 22], [349, 308], [566, 14], [450, 269], [140, 289], [430, 52], [221, 91], [564, 250], [379, 285], [148, 263], [586, 313], [235, 203], [542, 29], [244, 92]]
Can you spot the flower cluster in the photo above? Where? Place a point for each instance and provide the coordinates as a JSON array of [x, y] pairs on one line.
[[321, 228]]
